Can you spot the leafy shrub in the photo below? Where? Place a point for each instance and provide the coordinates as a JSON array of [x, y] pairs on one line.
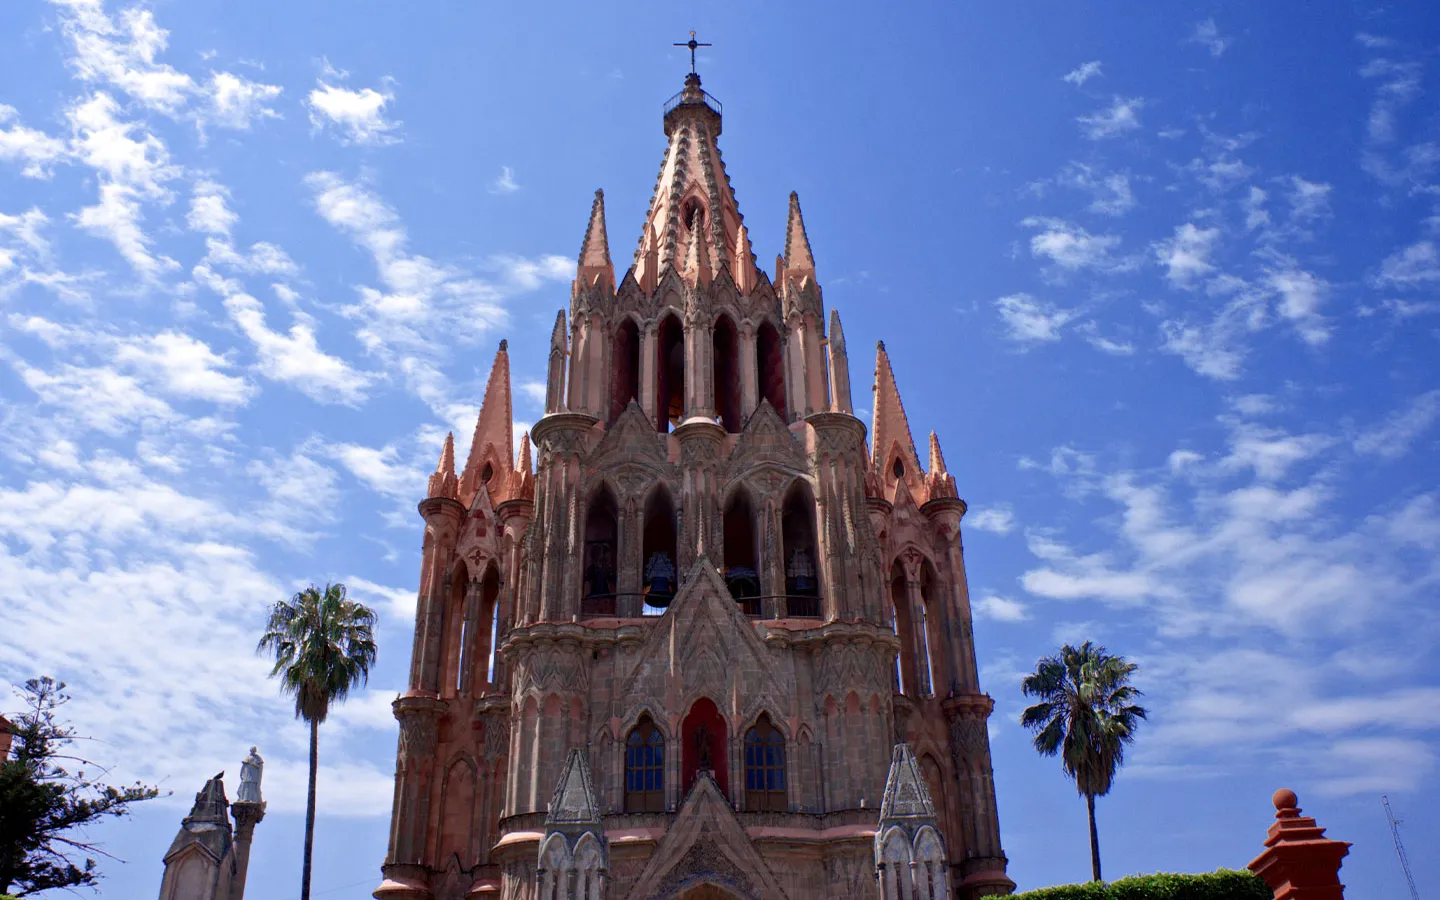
[[1224, 884]]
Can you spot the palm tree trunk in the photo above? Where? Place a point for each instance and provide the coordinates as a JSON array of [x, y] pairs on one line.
[[310, 813], [1089, 803]]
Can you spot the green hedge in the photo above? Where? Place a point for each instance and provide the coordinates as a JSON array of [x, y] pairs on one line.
[[1224, 884]]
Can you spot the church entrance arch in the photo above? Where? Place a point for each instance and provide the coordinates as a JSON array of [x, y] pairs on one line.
[[703, 746]]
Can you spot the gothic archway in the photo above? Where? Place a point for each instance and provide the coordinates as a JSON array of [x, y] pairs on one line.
[[702, 739]]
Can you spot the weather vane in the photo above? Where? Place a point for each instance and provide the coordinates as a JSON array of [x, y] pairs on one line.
[[693, 45]]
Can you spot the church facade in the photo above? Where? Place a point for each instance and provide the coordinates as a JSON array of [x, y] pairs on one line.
[[709, 644]]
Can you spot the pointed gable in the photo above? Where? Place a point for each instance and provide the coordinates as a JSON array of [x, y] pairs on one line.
[[594, 267], [706, 640], [573, 802], [493, 441], [906, 794], [707, 845], [890, 430], [798, 259]]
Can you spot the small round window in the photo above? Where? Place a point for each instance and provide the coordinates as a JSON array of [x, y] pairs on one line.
[[898, 468], [487, 473]]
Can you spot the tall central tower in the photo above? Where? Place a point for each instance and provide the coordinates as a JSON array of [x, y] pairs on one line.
[[714, 645]]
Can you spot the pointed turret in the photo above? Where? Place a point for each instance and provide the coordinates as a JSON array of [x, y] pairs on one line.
[[697, 261], [595, 267], [743, 266], [910, 858], [522, 479], [799, 262], [892, 449], [492, 443], [443, 483], [555, 374], [938, 481], [208, 824], [839, 367]]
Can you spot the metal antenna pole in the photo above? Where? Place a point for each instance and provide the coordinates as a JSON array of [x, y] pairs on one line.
[[1399, 847]]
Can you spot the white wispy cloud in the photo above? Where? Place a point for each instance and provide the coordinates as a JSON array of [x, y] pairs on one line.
[[1083, 72], [36, 152], [996, 608], [998, 519], [1071, 247], [123, 55], [295, 358], [1031, 320], [357, 117], [208, 211], [1394, 437], [1417, 265], [1207, 35], [1120, 117], [237, 102], [504, 183], [1186, 256]]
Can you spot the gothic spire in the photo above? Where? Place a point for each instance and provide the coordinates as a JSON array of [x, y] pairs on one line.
[[891, 442], [692, 191], [938, 481], [798, 259], [442, 483], [492, 443], [595, 250]]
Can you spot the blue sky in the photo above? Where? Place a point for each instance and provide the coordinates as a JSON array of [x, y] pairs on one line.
[[1166, 281]]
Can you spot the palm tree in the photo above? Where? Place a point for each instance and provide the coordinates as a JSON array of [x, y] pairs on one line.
[[1086, 714], [323, 644]]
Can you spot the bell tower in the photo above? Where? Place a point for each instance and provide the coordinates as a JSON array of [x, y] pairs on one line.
[[707, 636]]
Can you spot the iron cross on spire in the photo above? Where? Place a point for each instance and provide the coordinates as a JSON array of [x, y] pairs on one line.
[[693, 45]]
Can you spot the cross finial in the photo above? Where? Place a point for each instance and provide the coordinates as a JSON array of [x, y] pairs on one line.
[[693, 45]]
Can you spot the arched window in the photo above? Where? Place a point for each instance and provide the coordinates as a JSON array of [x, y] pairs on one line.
[[601, 528], [626, 384], [797, 532], [670, 374], [770, 367], [765, 767], [645, 768], [933, 632], [658, 548], [742, 574], [726, 345], [489, 624], [907, 670]]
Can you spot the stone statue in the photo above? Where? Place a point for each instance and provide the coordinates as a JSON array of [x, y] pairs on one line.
[[250, 769]]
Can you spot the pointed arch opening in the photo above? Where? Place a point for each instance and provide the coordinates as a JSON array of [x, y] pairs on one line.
[[489, 626], [770, 367], [455, 632], [765, 767], [797, 532], [906, 673], [726, 346], [741, 552], [625, 383], [645, 768], [703, 746], [659, 548], [602, 527], [670, 374], [932, 632]]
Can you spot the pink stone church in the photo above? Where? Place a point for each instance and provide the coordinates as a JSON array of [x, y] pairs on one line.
[[713, 645]]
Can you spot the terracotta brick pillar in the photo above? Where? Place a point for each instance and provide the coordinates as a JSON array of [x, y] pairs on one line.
[[1299, 862]]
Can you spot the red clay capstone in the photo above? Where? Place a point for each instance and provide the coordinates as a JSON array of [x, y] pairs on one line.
[[1299, 862]]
